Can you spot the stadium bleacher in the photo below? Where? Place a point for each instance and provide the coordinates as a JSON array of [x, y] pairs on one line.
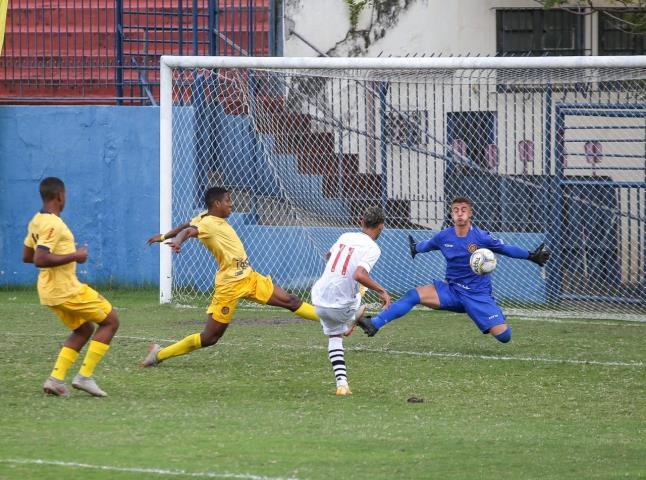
[[107, 52]]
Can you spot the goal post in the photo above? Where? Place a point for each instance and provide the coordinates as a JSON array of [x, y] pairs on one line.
[[165, 178], [549, 150]]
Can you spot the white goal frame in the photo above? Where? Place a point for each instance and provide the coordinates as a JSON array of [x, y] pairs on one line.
[[169, 62]]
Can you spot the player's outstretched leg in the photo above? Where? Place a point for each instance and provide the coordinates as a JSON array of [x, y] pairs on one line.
[[398, 309], [280, 298], [213, 331]]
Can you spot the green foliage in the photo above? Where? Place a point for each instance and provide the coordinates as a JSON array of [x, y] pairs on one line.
[[261, 402], [354, 8]]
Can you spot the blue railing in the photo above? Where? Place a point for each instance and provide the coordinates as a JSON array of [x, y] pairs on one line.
[[108, 51]]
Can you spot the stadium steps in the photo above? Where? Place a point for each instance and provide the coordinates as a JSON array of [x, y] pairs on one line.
[[328, 165], [61, 13], [340, 174], [312, 173], [283, 123], [84, 55], [56, 94], [238, 106]]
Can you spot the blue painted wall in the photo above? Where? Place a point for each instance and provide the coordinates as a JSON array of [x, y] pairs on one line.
[[108, 158], [395, 267]]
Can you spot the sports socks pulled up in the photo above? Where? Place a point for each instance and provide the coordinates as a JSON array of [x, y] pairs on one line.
[[398, 309], [95, 352], [184, 346], [337, 359], [505, 336], [307, 311], [66, 358]]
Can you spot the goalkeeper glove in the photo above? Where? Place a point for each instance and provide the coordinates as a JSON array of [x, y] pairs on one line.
[[540, 255], [413, 246]]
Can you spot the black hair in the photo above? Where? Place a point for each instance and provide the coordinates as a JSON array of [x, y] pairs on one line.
[[50, 187], [373, 217], [214, 194]]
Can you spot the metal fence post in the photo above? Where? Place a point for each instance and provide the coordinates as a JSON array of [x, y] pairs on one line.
[[548, 185], [556, 274], [119, 50], [383, 91], [195, 31], [211, 13]]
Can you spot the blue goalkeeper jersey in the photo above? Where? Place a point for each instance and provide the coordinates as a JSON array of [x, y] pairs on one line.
[[457, 252]]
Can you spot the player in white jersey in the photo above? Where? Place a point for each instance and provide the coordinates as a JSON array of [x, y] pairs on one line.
[[336, 294]]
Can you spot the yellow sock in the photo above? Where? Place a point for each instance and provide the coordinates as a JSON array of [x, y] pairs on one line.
[[184, 346], [66, 358], [307, 311], [95, 353]]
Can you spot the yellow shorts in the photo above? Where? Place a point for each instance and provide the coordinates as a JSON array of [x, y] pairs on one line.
[[255, 287], [86, 306]]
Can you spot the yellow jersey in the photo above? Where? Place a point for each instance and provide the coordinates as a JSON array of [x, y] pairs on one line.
[[55, 284], [223, 242], [196, 219]]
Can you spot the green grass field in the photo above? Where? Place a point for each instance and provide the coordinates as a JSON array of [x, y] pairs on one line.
[[566, 399]]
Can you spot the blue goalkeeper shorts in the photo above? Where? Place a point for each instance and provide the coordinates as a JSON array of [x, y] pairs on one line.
[[480, 307]]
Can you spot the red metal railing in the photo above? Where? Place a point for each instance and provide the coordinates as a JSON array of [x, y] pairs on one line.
[[107, 51]]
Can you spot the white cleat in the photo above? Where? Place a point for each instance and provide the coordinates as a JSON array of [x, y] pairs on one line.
[[358, 315], [54, 386], [151, 359], [87, 384]]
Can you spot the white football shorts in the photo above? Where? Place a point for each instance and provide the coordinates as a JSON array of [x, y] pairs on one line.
[[337, 321]]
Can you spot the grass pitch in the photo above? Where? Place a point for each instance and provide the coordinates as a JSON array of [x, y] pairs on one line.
[[566, 399]]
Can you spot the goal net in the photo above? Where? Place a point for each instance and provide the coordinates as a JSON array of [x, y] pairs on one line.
[[549, 150]]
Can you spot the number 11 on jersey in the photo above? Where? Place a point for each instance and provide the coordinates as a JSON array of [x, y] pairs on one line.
[[347, 259]]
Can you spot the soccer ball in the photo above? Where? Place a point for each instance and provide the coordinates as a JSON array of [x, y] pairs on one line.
[[482, 261]]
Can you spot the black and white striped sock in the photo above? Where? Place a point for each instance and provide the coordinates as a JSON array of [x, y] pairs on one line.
[[337, 358]]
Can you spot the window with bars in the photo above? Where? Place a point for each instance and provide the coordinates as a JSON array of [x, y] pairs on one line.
[[471, 137], [408, 129], [536, 32], [615, 36]]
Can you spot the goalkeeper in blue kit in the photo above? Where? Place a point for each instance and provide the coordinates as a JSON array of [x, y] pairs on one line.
[[462, 290]]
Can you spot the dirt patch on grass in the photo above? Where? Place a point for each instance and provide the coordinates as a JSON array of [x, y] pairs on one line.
[[251, 321], [268, 321]]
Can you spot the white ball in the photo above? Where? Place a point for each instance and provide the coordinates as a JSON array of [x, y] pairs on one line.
[[482, 261]]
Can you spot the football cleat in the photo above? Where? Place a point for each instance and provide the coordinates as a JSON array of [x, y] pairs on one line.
[[87, 384], [151, 358], [343, 391], [358, 315], [54, 386], [367, 327]]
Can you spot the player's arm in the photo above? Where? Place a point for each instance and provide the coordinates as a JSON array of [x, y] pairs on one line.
[[160, 237], [43, 258], [181, 237], [423, 246], [539, 256], [362, 276], [27, 254]]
